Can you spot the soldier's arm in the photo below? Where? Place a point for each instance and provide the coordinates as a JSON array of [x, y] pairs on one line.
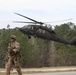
[[9, 48], [17, 47]]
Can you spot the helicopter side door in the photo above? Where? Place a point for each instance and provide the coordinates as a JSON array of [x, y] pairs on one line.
[[42, 33]]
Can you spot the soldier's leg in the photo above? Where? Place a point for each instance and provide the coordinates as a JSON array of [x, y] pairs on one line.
[[17, 65], [8, 66], [18, 68]]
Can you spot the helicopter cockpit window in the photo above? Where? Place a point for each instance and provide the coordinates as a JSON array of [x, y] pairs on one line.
[[25, 26], [29, 27], [32, 27]]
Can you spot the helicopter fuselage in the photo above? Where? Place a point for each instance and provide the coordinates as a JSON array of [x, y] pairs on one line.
[[42, 32], [35, 30]]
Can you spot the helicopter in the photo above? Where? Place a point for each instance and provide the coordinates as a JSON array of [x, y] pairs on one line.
[[37, 29]]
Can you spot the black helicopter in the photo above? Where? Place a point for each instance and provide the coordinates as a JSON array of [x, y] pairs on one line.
[[37, 29]]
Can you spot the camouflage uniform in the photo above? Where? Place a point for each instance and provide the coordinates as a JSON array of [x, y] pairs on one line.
[[13, 57]]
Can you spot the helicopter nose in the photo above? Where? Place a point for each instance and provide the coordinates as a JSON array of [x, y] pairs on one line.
[[23, 29]]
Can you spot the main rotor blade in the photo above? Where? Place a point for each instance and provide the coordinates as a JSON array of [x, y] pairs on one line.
[[30, 18], [22, 22], [60, 20]]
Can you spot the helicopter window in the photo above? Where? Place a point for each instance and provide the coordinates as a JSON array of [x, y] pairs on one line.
[[32, 28], [29, 27], [41, 31], [25, 26]]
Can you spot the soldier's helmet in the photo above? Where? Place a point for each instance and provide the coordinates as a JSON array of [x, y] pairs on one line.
[[13, 37]]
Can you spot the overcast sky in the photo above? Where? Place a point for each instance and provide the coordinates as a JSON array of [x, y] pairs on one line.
[[40, 10]]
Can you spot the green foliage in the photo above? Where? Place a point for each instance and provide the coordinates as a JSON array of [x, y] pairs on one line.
[[66, 53], [38, 52]]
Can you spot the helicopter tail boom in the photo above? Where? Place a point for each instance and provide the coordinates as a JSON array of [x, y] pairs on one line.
[[73, 41]]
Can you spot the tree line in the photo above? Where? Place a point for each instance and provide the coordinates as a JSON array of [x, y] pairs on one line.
[[36, 52]]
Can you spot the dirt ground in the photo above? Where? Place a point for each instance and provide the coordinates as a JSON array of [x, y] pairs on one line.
[[44, 69]]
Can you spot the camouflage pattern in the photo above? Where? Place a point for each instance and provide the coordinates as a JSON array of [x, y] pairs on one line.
[[13, 36], [13, 58]]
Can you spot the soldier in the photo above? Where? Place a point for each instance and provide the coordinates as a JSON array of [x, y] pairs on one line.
[[13, 56]]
